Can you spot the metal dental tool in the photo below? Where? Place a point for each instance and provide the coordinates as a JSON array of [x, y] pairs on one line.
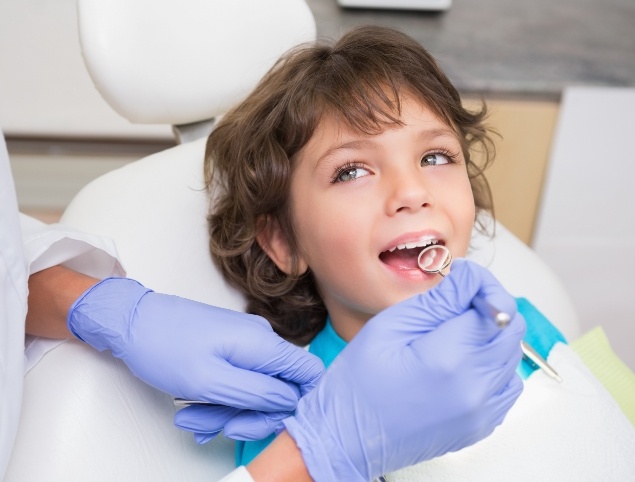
[[181, 402], [435, 258]]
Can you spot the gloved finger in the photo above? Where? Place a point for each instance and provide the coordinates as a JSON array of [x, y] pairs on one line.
[[204, 419], [476, 287], [278, 358], [250, 425], [506, 343], [506, 398], [203, 438], [423, 313], [245, 389], [499, 361], [500, 376], [207, 421], [400, 323], [462, 334], [449, 346], [490, 289], [496, 411], [466, 279], [472, 329], [503, 345], [465, 342]]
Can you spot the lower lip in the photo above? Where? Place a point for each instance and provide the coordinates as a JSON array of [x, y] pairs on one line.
[[410, 273]]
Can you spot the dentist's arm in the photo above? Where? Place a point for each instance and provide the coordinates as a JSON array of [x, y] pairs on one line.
[[165, 340], [52, 292], [281, 461]]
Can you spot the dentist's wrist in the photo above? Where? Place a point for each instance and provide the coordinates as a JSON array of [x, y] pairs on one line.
[[52, 292], [324, 457], [281, 461], [101, 316]]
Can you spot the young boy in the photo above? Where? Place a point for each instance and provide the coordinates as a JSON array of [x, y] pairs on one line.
[[339, 156], [333, 175]]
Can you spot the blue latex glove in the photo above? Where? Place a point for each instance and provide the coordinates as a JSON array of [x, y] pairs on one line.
[[207, 421], [424, 377], [195, 351]]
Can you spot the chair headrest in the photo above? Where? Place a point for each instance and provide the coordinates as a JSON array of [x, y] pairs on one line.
[[175, 62]]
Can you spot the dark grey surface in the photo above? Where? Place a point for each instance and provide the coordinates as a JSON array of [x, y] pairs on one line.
[[512, 47]]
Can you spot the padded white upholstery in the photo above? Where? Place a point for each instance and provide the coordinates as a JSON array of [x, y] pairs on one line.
[[84, 416], [157, 206], [173, 62]]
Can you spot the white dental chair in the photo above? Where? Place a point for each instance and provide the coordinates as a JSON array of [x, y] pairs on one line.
[[84, 416]]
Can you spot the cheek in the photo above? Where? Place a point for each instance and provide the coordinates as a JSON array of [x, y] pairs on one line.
[[464, 214], [321, 231], [327, 231], [308, 219], [467, 195]]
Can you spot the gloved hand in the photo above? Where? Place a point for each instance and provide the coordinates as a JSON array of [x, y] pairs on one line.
[[424, 377], [195, 351]]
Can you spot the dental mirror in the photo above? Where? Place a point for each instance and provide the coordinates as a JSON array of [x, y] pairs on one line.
[[434, 259]]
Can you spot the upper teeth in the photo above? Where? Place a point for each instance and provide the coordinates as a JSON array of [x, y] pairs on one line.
[[422, 243]]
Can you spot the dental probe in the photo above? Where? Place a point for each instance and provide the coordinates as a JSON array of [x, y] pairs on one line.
[[503, 319], [432, 265], [182, 402], [540, 362]]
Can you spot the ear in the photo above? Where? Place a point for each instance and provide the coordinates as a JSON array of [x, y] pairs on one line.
[[276, 245]]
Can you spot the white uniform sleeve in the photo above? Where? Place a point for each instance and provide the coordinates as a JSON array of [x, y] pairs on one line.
[[47, 245], [13, 295], [238, 475]]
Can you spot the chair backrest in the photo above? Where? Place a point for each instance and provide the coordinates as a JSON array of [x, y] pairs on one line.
[[172, 62], [85, 417]]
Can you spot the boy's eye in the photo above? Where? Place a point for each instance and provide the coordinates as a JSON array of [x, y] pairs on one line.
[[350, 173], [435, 159]]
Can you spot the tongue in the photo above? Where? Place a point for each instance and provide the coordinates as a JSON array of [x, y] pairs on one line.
[[401, 258]]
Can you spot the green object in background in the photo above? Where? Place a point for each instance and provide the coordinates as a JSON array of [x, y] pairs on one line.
[[619, 380]]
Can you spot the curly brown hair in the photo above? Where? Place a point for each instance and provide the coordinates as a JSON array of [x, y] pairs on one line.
[[250, 155]]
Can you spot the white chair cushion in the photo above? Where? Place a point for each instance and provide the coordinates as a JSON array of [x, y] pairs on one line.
[[155, 209], [177, 62]]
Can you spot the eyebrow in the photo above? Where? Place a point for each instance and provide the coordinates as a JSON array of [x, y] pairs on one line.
[[438, 132], [357, 144]]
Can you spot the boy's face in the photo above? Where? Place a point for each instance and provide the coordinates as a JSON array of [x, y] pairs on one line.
[[355, 198]]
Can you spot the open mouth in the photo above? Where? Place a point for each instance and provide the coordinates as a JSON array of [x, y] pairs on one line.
[[404, 256]]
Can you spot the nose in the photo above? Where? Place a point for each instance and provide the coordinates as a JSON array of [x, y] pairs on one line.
[[408, 191]]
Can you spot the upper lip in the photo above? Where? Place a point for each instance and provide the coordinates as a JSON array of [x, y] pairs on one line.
[[413, 240]]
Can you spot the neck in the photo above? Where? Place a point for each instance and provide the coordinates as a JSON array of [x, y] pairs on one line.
[[347, 326]]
